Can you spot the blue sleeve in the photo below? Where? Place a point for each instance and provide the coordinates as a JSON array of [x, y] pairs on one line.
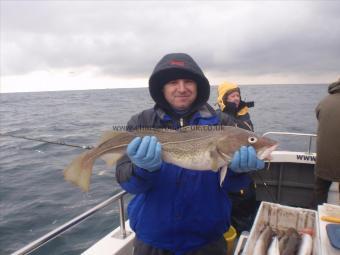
[[140, 181], [234, 182]]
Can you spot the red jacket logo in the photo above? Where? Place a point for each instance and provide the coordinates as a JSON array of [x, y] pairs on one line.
[[176, 63]]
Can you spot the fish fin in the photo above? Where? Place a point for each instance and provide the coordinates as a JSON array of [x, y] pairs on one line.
[[224, 156], [108, 135], [223, 174], [79, 171], [111, 158], [214, 160]]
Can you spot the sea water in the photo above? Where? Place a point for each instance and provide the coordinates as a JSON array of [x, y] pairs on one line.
[[35, 199]]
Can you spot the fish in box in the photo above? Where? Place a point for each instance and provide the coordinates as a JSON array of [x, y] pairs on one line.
[[280, 229]]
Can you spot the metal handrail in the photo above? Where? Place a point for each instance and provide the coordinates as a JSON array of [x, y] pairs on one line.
[[56, 232], [311, 136]]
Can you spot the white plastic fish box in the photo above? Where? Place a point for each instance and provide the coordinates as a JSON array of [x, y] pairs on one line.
[[281, 217]]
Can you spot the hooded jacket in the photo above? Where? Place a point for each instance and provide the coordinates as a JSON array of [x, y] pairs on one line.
[[241, 114], [174, 208], [328, 135], [177, 66]]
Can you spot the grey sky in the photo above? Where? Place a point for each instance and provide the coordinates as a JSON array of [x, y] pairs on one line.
[[260, 41]]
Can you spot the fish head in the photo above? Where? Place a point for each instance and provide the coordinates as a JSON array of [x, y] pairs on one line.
[[232, 139]]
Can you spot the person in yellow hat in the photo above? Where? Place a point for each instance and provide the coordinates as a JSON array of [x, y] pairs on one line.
[[233, 108], [229, 102]]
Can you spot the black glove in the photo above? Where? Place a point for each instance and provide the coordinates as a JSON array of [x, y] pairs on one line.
[[250, 104], [231, 109]]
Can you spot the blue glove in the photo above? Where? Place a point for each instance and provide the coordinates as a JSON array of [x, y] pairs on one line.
[[145, 153], [245, 160]]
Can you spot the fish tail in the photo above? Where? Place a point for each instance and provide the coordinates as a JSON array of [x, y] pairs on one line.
[[112, 158], [79, 171]]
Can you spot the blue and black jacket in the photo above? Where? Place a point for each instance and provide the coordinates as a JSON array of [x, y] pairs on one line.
[[174, 208]]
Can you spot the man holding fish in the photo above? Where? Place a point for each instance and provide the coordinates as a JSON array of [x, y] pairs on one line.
[[178, 210], [174, 158]]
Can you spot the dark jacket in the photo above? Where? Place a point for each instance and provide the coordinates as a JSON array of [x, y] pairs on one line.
[[241, 120], [328, 135], [174, 208]]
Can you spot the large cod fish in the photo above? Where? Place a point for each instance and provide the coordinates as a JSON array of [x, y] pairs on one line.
[[192, 147]]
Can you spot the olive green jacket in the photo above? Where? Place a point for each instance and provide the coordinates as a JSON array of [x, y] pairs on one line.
[[328, 140]]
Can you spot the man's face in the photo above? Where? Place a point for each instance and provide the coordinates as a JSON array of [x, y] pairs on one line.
[[180, 93], [234, 98]]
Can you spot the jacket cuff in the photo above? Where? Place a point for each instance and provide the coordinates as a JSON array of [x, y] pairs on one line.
[[231, 173], [143, 173]]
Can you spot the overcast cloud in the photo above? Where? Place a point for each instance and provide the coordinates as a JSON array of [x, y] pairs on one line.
[[247, 42]]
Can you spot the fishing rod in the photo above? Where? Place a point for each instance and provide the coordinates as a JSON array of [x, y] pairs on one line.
[[87, 147]]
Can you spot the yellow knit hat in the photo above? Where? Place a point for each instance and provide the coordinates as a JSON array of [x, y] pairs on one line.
[[225, 88]]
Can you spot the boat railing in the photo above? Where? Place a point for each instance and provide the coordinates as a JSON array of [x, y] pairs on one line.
[[310, 136], [73, 222]]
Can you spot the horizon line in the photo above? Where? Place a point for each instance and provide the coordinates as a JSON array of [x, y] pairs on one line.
[[143, 87]]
